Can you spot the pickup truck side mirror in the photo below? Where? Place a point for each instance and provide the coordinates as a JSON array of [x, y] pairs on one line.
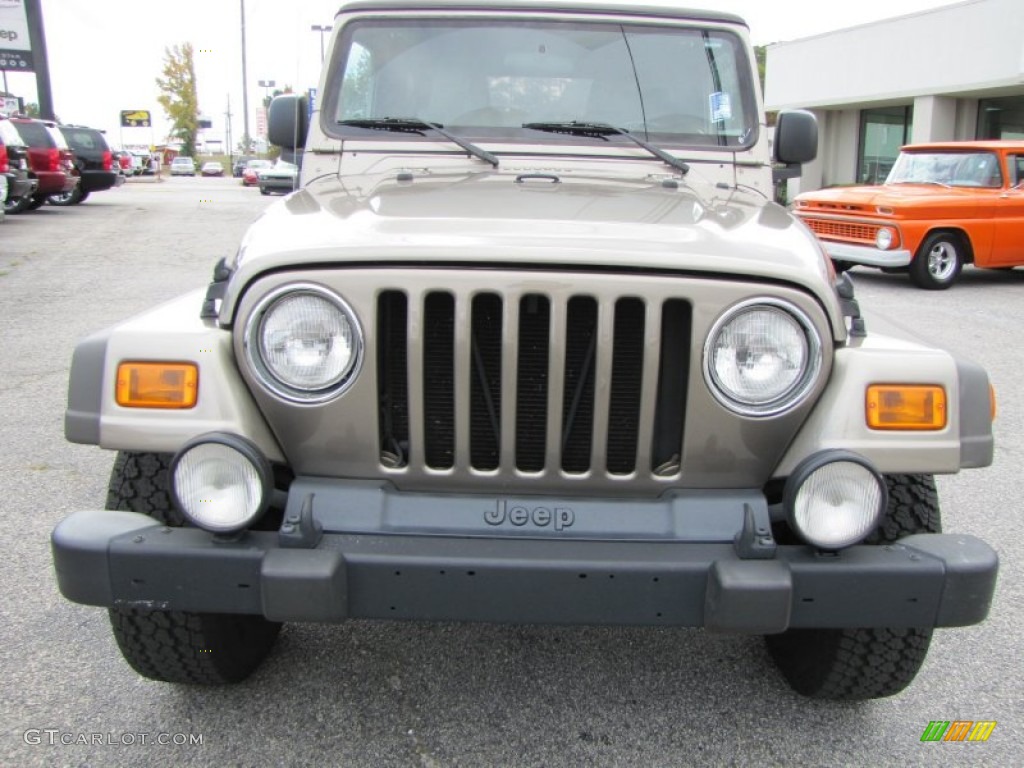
[[287, 123], [796, 142]]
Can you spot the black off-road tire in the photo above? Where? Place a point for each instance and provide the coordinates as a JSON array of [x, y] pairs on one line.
[[179, 646], [193, 648], [868, 663], [140, 482]]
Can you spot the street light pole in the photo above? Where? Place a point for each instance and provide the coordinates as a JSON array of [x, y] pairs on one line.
[[321, 29], [245, 87], [266, 85]]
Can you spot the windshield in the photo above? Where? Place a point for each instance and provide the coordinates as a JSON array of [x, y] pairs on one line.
[[951, 169], [488, 77]]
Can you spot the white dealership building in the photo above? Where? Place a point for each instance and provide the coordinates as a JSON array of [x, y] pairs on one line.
[[951, 73]]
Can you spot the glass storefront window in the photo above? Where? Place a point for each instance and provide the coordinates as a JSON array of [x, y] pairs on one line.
[[1001, 118], [883, 131]]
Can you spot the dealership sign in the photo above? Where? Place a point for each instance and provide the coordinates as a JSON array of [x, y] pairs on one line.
[[134, 118], [15, 49]]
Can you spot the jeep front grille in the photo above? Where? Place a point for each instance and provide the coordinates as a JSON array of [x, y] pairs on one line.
[[529, 382]]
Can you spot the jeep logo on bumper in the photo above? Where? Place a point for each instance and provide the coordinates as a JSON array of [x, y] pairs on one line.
[[541, 517]]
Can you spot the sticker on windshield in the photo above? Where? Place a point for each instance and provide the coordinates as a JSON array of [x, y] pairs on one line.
[[721, 107]]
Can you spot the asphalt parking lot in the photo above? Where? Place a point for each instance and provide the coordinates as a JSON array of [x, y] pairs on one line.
[[394, 694]]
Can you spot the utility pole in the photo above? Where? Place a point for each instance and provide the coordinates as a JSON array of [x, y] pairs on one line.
[[245, 86], [41, 65], [227, 137]]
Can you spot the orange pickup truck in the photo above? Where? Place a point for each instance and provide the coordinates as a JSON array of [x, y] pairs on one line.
[[942, 206]]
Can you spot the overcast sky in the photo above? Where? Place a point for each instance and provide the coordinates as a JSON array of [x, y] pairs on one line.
[[106, 54]]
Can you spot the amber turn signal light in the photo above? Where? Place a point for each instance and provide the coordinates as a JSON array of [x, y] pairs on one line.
[[906, 406], [157, 385]]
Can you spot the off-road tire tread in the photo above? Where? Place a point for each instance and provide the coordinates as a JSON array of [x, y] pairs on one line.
[[865, 663], [192, 648], [139, 482], [178, 646]]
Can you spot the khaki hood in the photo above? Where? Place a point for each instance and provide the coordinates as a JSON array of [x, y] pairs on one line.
[[503, 217]]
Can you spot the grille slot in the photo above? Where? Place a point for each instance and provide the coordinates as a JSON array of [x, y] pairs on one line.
[[578, 392], [673, 370], [439, 380], [532, 382], [393, 377], [627, 375], [485, 390], [522, 382]]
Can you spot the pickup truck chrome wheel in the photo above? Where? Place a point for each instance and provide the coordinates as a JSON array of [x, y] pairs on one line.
[[938, 262], [179, 646], [865, 663]]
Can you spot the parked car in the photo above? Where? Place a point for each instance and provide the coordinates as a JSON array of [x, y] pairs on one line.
[[183, 166], [281, 177], [14, 167], [142, 162], [943, 205], [239, 165], [212, 168], [124, 161], [566, 371], [94, 161], [50, 159], [250, 176]]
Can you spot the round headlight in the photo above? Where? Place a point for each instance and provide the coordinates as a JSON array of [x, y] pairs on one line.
[[221, 483], [762, 357], [305, 343], [884, 239], [834, 500]]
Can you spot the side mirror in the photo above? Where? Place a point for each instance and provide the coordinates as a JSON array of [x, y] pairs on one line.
[[287, 123], [796, 142]]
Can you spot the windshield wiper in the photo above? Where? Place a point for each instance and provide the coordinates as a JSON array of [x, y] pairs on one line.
[[603, 130], [416, 125]]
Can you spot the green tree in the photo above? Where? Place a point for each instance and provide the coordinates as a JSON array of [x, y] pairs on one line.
[[178, 96], [761, 57], [276, 92]]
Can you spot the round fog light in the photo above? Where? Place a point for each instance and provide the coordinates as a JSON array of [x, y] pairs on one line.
[[221, 483], [835, 499]]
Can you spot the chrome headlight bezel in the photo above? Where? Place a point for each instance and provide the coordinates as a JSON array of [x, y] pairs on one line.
[[272, 380], [792, 395]]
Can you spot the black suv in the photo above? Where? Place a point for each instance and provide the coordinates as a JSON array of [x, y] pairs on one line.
[[15, 167], [95, 162]]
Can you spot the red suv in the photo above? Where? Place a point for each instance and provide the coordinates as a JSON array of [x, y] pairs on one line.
[[49, 158]]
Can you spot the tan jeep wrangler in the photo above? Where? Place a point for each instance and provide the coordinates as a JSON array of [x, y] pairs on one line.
[[530, 344]]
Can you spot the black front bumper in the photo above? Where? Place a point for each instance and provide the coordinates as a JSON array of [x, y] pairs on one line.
[[123, 559]]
